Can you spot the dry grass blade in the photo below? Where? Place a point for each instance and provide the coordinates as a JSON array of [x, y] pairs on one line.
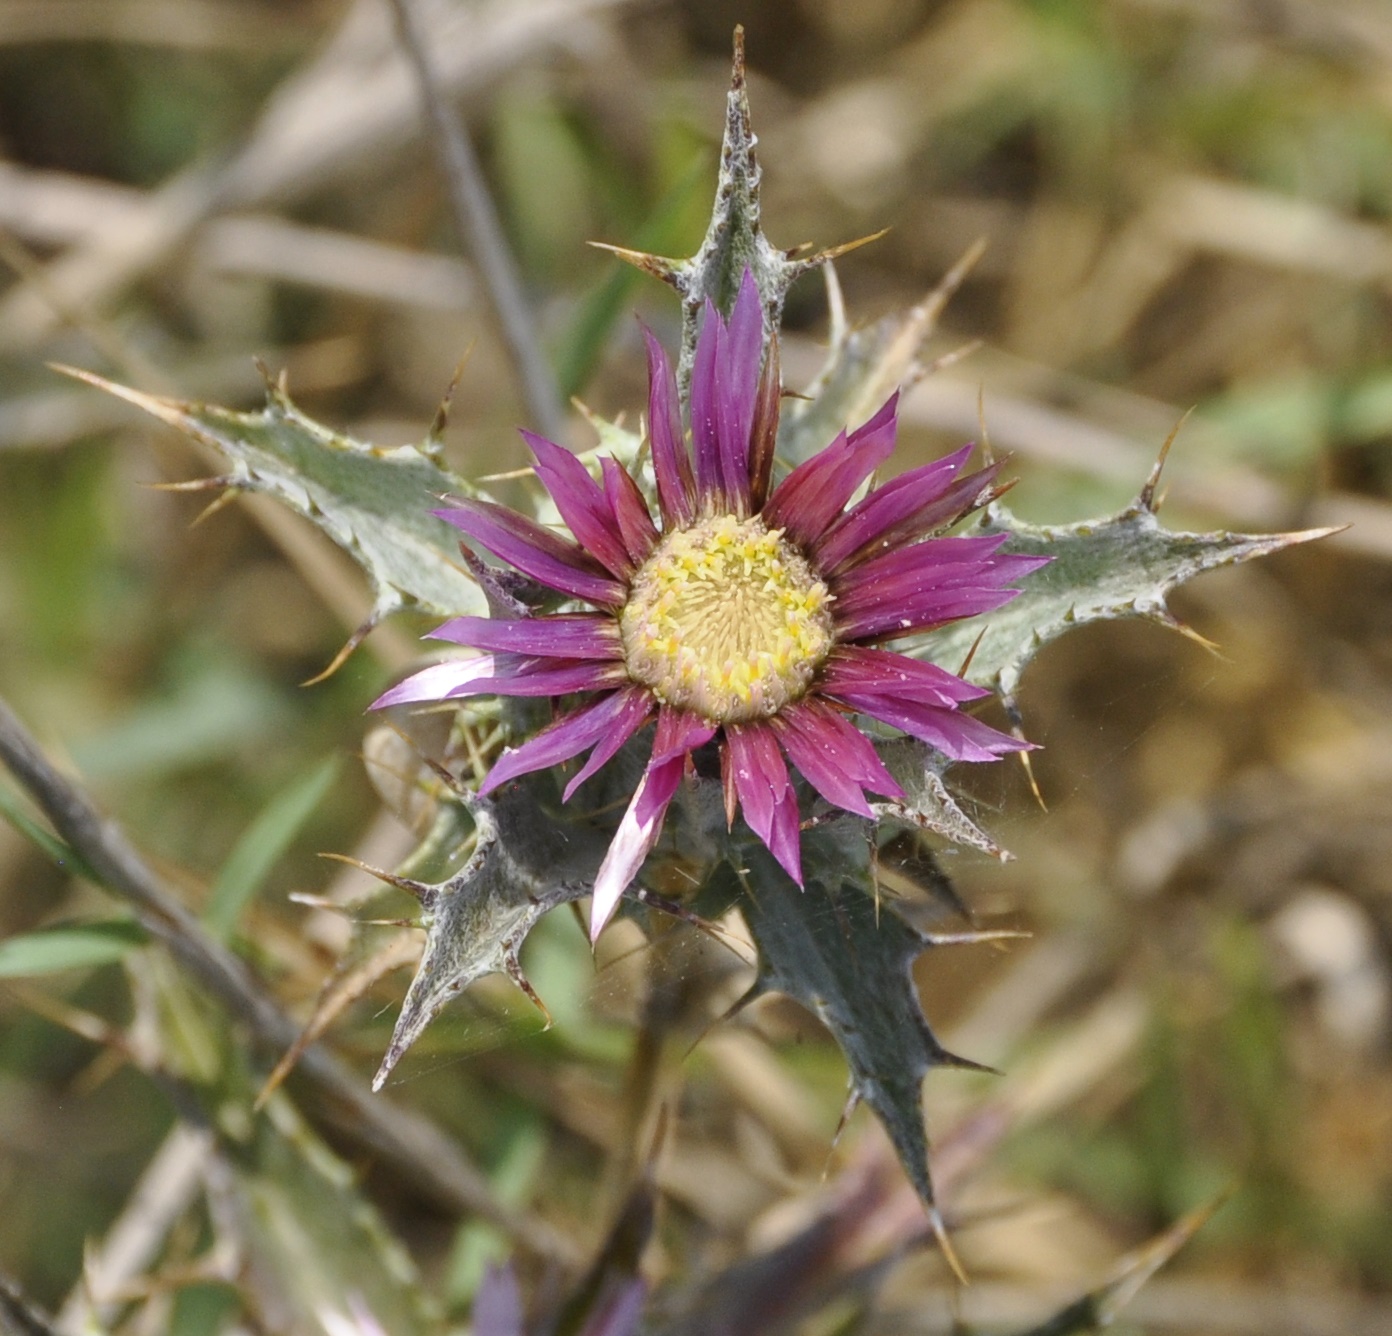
[[420, 1152], [340, 992]]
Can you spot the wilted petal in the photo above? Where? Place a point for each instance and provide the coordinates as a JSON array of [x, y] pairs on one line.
[[498, 1304], [437, 681], [676, 489], [535, 551], [582, 504], [767, 799], [570, 636], [637, 833]]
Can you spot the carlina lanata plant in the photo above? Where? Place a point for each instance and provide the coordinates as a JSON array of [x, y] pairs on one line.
[[752, 617], [768, 658]]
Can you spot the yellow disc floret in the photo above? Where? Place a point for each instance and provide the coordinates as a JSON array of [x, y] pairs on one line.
[[727, 620]]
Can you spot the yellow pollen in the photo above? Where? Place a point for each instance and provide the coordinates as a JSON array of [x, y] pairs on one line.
[[727, 620]]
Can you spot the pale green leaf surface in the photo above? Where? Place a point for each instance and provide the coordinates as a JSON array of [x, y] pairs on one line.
[[69, 946], [1121, 566], [314, 1236], [374, 503], [524, 863]]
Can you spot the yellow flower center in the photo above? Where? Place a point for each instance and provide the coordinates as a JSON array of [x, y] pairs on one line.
[[727, 620]]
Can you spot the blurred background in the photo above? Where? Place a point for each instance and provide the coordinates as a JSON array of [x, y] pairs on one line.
[[1187, 204]]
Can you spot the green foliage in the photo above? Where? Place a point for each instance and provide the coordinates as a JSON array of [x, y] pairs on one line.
[[263, 845], [69, 946]]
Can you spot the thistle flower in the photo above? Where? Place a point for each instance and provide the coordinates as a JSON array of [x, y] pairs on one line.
[[752, 617]]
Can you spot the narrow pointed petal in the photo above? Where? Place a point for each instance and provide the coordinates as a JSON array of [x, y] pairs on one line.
[[630, 511], [436, 682], [571, 636], [763, 434], [679, 733], [834, 756], [766, 796], [976, 559], [859, 668], [637, 833], [737, 381], [632, 708], [517, 675], [705, 391], [814, 494], [546, 557], [956, 735], [676, 488], [931, 583], [567, 737], [582, 503], [905, 509], [929, 608]]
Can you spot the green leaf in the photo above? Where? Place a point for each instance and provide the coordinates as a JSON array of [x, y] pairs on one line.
[[374, 503], [850, 962], [58, 852], [1120, 566], [316, 1242], [735, 239], [525, 862], [69, 946], [262, 845]]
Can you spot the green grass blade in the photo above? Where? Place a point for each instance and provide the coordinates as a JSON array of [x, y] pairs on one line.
[[263, 844], [60, 853], [69, 946]]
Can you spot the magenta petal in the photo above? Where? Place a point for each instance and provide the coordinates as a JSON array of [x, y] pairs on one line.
[[630, 710], [582, 503], [737, 381], [637, 833], [928, 608], [766, 797], [436, 682], [679, 732], [567, 737], [676, 489], [956, 735], [535, 551], [542, 677], [858, 668], [630, 511], [571, 636], [904, 508], [813, 494], [834, 756], [705, 392]]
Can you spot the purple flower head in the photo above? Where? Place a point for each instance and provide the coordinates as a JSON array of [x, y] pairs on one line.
[[751, 617]]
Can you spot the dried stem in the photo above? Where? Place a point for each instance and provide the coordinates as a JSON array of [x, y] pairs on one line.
[[418, 1151], [482, 234]]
